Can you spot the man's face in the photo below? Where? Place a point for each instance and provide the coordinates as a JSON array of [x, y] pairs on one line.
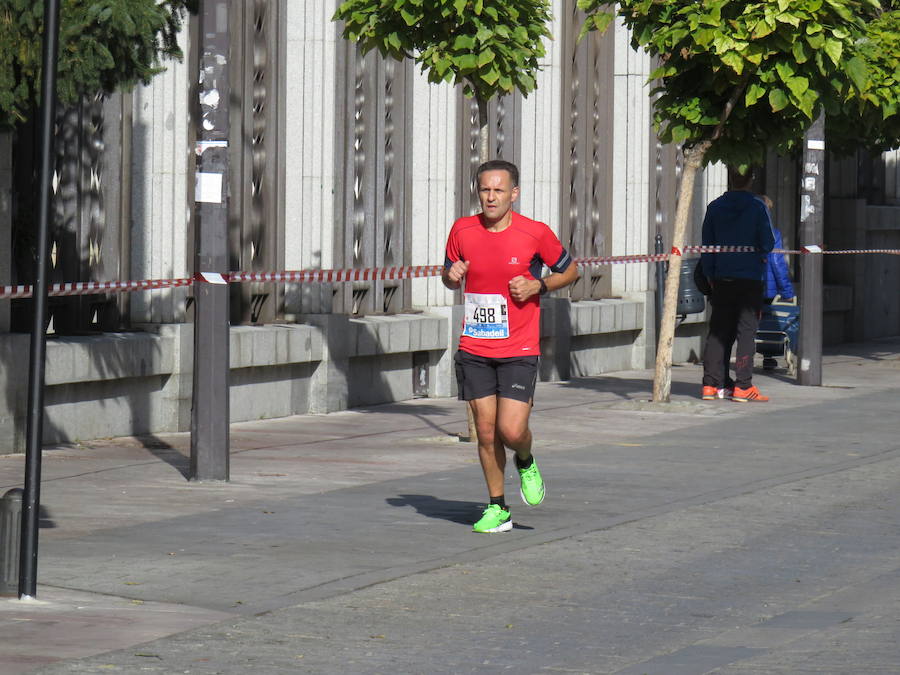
[[496, 194]]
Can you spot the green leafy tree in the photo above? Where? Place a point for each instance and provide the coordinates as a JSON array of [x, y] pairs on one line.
[[737, 78], [872, 118], [103, 44], [490, 47]]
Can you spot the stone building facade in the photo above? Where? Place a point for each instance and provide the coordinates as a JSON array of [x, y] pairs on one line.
[[341, 161]]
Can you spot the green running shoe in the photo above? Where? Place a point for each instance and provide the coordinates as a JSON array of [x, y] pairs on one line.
[[531, 485], [494, 519]]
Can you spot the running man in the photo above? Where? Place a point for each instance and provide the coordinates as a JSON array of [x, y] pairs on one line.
[[499, 255]]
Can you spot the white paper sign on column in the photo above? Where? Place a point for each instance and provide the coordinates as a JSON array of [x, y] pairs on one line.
[[209, 188]]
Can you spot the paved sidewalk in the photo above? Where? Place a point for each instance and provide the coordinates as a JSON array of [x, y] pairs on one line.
[[687, 537]]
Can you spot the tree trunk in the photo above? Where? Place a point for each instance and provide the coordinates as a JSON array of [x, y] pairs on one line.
[[693, 159], [662, 380]]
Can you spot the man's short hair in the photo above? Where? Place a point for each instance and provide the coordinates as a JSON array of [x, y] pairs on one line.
[[738, 180], [499, 165]]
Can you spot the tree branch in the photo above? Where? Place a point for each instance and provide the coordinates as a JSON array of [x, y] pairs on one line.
[[729, 106]]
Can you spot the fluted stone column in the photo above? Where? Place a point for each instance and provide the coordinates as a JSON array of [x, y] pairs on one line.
[[163, 189]]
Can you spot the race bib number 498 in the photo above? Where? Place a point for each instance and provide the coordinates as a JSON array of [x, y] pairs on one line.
[[486, 316]]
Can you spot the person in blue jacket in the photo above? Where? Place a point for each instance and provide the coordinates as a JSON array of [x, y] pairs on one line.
[[778, 276], [737, 218]]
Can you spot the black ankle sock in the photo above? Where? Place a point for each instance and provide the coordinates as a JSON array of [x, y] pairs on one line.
[[520, 464], [500, 501]]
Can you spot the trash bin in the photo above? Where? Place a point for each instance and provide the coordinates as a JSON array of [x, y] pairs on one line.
[[10, 529], [690, 298]]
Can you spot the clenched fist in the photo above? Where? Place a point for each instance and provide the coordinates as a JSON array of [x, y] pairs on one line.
[[457, 271], [520, 288]]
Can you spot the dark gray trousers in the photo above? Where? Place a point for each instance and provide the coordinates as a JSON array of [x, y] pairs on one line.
[[736, 304]]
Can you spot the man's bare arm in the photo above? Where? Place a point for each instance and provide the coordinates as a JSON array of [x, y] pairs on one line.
[[521, 288], [559, 280], [452, 276]]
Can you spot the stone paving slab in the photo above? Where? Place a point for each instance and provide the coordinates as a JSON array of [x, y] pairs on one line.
[[63, 624]]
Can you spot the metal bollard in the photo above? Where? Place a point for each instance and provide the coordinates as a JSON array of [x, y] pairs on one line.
[[10, 530]]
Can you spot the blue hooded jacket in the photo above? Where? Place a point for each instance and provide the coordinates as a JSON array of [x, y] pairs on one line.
[[778, 278], [737, 218]]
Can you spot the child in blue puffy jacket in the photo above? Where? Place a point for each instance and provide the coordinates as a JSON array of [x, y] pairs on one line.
[[778, 277]]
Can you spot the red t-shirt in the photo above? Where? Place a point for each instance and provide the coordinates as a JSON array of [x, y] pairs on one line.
[[497, 326]]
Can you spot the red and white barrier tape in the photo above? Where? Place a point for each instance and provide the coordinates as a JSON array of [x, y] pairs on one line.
[[623, 259], [95, 287], [372, 274], [889, 251], [722, 249], [811, 248], [337, 276]]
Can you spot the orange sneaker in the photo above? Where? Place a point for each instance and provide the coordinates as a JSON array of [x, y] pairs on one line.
[[747, 395], [709, 393]]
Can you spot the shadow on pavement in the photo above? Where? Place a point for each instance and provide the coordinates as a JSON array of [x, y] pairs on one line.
[[626, 388], [168, 454], [464, 513], [45, 520], [879, 349], [443, 509]]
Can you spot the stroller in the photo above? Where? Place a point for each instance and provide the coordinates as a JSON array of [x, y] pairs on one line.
[[776, 335]]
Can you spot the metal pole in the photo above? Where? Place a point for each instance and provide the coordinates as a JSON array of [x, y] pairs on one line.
[[812, 214], [210, 411], [31, 496], [660, 282]]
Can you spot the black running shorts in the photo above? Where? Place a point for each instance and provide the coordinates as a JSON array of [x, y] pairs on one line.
[[480, 376]]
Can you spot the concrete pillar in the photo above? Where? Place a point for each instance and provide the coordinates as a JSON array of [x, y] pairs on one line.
[[644, 348], [14, 349], [329, 386], [556, 340], [173, 412], [441, 371]]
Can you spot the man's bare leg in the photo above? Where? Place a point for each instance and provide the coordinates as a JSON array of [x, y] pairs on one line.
[[512, 426], [490, 448]]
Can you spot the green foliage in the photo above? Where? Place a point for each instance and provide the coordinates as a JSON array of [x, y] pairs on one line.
[[746, 76], [491, 47], [873, 118], [103, 44]]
